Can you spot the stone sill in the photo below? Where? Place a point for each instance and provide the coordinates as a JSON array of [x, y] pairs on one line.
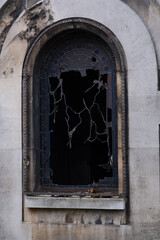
[[74, 203]]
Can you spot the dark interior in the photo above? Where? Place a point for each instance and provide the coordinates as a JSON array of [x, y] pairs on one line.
[[75, 161]]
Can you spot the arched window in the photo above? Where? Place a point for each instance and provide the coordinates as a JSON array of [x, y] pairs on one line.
[[74, 98]]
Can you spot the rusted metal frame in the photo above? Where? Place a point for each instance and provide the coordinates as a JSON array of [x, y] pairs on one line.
[[107, 194], [43, 80]]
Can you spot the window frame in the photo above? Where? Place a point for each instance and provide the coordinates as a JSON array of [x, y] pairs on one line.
[[31, 176]]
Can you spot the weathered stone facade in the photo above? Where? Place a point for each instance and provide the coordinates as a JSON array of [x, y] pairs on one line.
[[136, 26]]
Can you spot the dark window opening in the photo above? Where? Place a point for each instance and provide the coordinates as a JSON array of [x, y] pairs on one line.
[[80, 126], [78, 113]]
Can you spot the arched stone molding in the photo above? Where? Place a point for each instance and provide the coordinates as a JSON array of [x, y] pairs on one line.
[[28, 129], [120, 19]]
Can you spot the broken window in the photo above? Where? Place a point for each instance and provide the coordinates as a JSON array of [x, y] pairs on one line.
[[78, 138], [80, 133]]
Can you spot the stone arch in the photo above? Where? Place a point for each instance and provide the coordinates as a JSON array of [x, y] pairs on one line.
[[49, 33]]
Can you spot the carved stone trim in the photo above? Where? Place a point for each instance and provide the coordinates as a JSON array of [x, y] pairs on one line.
[[28, 133]]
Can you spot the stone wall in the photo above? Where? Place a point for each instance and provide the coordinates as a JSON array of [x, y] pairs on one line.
[[137, 28]]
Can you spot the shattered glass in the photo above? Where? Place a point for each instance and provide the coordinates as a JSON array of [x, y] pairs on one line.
[[78, 93]]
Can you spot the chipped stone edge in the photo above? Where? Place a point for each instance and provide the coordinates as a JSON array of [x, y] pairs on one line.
[[34, 5], [2, 2], [74, 203]]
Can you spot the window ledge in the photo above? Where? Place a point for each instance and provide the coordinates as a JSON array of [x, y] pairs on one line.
[[75, 203]]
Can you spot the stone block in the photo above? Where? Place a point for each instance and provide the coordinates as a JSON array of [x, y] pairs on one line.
[[75, 203]]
